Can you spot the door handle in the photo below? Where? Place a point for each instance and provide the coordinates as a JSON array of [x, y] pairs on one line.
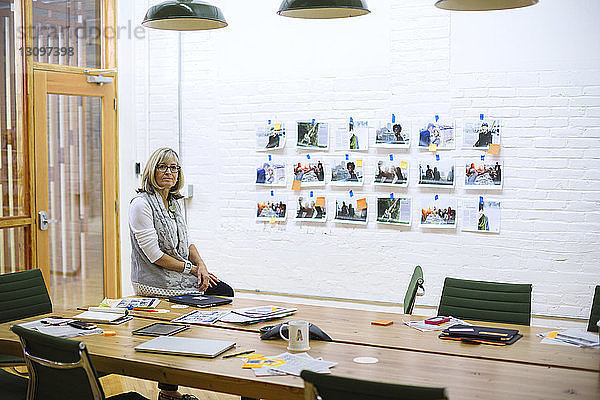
[[43, 220]]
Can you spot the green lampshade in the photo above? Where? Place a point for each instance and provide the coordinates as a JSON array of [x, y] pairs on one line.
[[184, 15], [483, 5], [322, 9]]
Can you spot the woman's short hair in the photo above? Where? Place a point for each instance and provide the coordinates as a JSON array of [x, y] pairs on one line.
[[149, 184]]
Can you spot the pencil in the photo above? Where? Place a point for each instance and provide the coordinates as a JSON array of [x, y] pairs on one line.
[[239, 354]]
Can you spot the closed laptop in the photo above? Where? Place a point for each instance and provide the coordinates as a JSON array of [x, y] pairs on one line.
[[186, 346]]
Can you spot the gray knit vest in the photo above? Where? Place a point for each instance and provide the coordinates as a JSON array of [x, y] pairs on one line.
[[171, 242]]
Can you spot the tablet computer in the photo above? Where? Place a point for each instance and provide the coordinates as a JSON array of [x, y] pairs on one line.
[[160, 329]]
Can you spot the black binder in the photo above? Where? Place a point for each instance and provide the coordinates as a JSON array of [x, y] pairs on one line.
[[481, 334]]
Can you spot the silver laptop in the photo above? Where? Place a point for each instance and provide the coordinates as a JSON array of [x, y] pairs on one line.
[[186, 346]]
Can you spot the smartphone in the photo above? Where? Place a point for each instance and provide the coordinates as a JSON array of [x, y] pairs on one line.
[[82, 325], [436, 320]]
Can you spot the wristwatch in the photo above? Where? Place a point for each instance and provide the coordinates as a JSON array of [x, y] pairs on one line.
[[187, 268]]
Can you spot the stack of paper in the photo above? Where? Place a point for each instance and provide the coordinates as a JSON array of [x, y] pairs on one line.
[[139, 302], [58, 327], [253, 315], [201, 317], [571, 337], [423, 327], [106, 315], [287, 363]]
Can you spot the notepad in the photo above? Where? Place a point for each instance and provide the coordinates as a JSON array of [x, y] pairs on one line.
[[104, 315], [185, 346]]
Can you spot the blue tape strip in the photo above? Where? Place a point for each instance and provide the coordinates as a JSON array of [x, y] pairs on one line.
[[351, 193], [269, 157], [437, 197], [437, 157], [351, 120], [346, 157], [311, 193], [480, 199], [437, 117], [481, 117], [269, 122], [271, 193], [391, 157], [393, 118], [391, 195], [308, 156], [313, 121], [482, 158]]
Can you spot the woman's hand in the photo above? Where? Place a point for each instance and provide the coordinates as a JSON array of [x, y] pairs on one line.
[[205, 278]]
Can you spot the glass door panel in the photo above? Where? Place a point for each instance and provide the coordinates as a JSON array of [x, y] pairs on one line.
[[14, 255], [67, 32], [74, 135]]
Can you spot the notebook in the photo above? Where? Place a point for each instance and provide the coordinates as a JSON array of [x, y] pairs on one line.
[[186, 346], [199, 300], [481, 334]]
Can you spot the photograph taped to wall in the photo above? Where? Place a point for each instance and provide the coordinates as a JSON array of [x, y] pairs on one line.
[[354, 136], [311, 208], [486, 174], [480, 215], [271, 207], [391, 173], [481, 133], [313, 135], [438, 211], [441, 134], [270, 173], [393, 134], [349, 210], [347, 172], [270, 136], [310, 172], [434, 173], [394, 211]]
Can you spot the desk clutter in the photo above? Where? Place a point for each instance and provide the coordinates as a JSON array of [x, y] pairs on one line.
[[286, 364], [571, 337], [60, 327]]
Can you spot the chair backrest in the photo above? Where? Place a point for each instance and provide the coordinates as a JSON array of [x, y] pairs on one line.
[[330, 387], [58, 368], [23, 294], [416, 282], [486, 301], [595, 311]]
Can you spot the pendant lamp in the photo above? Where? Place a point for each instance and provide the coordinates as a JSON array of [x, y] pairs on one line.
[[482, 5], [184, 15], [322, 9]]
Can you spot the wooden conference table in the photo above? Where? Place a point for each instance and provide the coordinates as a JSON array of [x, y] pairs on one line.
[[464, 377], [354, 327]]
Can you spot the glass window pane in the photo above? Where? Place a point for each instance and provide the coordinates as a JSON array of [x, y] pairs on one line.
[[14, 249], [67, 32], [13, 172], [75, 197]]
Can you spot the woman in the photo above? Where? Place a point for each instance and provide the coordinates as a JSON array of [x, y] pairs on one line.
[[163, 262]]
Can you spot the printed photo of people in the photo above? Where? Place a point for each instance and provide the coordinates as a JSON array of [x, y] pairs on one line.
[[483, 174], [481, 134], [270, 173], [311, 208], [270, 136], [393, 134], [354, 136], [438, 212], [347, 172], [269, 207], [436, 173], [349, 210], [310, 173], [394, 211], [481, 216], [391, 173], [313, 135], [442, 135]]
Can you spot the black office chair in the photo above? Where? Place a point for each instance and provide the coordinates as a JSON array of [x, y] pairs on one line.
[[416, 283], [330, 387], [61, 369], [508, 303], [22, 294], [595, 312]]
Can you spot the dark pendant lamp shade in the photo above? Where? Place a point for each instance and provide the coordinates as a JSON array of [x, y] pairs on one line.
[[482, 5], [322, 9], [184, 15]]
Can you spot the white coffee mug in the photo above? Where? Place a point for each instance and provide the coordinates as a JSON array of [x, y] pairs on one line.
[[298, 335]]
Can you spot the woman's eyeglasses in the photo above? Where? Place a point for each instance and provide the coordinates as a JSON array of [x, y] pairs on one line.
[[172, 168]]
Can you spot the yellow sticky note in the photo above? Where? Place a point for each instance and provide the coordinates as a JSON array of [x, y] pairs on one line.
[[552, 335], [494, 148], [359, 163], [272, 220], [361, 204], [433, 147], [253, 363], [254, 356], [277, 127], [296, 185], [403, 165], [320, 202]]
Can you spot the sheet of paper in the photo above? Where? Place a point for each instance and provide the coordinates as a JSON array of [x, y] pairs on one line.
[[295, 363], [423, 327], [201, 317]]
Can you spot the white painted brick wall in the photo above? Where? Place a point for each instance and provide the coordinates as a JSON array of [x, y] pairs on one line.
[[404, 58]]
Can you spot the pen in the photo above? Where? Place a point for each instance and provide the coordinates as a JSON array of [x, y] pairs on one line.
[[239, 354], [144, 309]]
